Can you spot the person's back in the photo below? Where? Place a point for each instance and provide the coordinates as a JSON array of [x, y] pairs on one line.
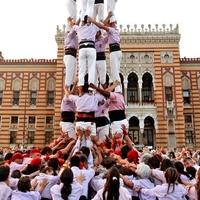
[[162, 193], [5, 190], [75, 194], [32, 195], [123, 194]]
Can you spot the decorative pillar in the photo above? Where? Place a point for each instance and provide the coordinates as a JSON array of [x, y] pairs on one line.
[[141, 130], [140, 90]]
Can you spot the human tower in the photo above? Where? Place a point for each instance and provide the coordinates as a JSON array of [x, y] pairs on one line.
[[98, 106]]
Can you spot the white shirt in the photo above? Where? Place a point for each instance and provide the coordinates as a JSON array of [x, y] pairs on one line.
[[52, 180], [5, 191], [160, 191], [123, 194], [144, 183], [77, 190], [17, 195], [88, 175], [13, 183], [15, 166], [192, 193], [159, 176]]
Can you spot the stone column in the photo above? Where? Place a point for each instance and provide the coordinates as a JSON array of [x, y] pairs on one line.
[[140, 90], [141, 130]]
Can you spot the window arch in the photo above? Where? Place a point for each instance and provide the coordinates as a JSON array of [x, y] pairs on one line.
[[34, 84], [2, 84], [17, 84], [185, 83], [147, 88], [132, 91], [51, 84], [168, 80]]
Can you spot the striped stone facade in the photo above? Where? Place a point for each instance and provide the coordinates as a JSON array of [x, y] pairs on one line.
[[162, 92]]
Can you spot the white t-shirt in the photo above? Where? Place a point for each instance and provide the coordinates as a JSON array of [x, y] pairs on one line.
[[123, 194], [77, 190], [160, 191]]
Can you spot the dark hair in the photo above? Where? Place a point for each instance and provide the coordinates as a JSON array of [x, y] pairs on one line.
[[172, 155], [85, 150], [108, 162], [46, 169], [4, 172], [16, 174], [171, 176], [180, 168], [66, 178], [75, 161], [46, 150], [54, 163], [8, 156], [112, 185], [191, 171], [154, 162], [126, 171], [166, 163], [24, 184], [30, 169], [85, 19], [124, 151], [83, 158]]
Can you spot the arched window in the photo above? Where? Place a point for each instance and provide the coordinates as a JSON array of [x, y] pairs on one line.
[[16, 87], [33, 88], [168, 84], [186, 90], [134, 129], [51, 85], [149, 131], [132, 90], [147, 88], [2, 88]]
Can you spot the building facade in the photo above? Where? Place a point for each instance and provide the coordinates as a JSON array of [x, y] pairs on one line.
[[161, 90]]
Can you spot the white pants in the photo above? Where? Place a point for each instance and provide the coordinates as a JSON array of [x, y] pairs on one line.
[[70, 72], [87, 8], [98, 10], [101, 71], [111, 7], [68, 128], [87, 125], [102, 132], [71, 9], [116, 126], [87, 59], [115, 60]]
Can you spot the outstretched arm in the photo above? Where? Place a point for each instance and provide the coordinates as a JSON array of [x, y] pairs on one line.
[[100, 25], [106, 20], [101, 91]]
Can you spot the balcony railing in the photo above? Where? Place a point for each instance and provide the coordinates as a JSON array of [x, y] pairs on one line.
[[132, 95]]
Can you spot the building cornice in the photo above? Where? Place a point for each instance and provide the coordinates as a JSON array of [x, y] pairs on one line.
[[28, 62], [138, 35], [149, 35], [189, 60]]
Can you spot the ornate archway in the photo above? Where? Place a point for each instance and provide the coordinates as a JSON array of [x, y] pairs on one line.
[[149, 132]]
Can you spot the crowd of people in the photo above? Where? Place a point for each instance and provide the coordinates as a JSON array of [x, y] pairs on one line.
[[94, 157], [78, 169]]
